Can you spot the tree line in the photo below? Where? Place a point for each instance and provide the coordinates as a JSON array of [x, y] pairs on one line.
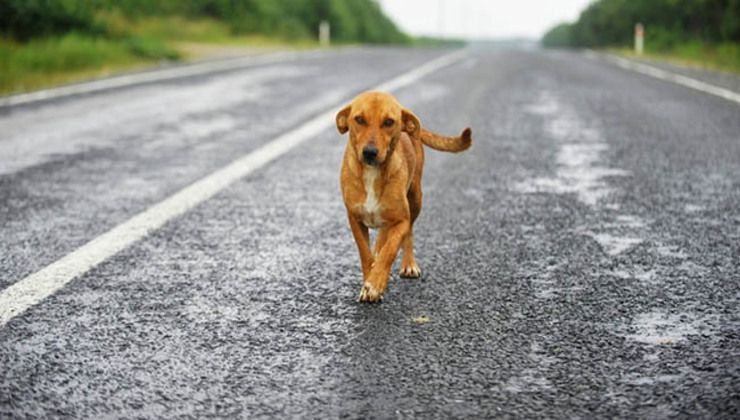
[[667, 23], [350, 20]]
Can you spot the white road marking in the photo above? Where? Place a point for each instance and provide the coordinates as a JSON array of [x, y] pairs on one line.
[[148, 77], [673, 77], [31, 290], [38, 134]]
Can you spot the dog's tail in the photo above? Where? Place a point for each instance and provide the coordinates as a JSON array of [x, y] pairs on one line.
[[445, 143]]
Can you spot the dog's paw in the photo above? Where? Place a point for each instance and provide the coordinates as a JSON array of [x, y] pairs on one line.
[[370, 294], [411, 271]]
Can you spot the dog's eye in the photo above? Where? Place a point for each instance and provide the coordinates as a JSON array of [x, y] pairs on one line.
[[360, 120], [388, 122]]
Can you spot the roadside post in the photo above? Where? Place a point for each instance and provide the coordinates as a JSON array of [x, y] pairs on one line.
[[324, 34], [639, 38]]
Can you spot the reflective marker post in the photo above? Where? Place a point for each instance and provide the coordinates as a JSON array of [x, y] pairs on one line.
[[639, 38], [324, 36]]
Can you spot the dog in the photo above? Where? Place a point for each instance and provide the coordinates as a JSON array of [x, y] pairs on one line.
[[381, 182]]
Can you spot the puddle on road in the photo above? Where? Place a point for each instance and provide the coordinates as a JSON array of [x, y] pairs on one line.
[[532, 379], [661, 328], [644, 276], [553, 292], [581, 170], [579, 155], [546, 105], [652, 380], [586, 182], [615, 245], [693, 208], [527, 381], [629, 221], [670, 251]]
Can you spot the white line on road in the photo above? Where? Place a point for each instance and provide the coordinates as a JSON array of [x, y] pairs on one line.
[[159, 75], [673, 77], [33, 289]]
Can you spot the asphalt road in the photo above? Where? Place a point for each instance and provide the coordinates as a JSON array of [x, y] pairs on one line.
[[581, 260]]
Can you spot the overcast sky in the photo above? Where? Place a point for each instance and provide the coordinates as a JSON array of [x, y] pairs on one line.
[[481, 18]]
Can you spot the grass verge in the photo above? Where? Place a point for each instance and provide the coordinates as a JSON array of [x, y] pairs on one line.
[[127, 45], [51, 61], [723, 57]]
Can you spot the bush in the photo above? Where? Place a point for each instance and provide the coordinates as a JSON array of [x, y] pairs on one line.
[[559, 36], [26, 19], [667, 22]]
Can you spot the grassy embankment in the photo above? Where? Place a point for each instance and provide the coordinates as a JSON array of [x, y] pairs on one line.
[[722, 57], [127, 45], [47, 42]]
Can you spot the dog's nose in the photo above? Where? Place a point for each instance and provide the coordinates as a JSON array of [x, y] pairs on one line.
[[370, 153]]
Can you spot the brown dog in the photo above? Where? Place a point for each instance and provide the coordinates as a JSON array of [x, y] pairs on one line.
[[381, 182]]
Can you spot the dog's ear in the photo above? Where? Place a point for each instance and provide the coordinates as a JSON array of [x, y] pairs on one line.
[[343, 119], [411, 123]]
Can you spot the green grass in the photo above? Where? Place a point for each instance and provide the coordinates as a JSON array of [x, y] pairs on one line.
[[50, 61], [208, 33], [723, 57], [179, 28], [45, 62]]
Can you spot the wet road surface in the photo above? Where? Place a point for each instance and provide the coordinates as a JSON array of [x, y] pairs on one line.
[[581, 260]]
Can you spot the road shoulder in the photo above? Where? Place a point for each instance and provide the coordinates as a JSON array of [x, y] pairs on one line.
[[717, 78], [698, 84], [158, 74]]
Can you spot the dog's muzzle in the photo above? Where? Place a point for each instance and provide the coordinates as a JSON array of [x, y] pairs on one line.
[[370, 154]]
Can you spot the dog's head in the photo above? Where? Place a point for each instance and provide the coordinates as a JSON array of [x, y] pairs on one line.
[[375, 121]]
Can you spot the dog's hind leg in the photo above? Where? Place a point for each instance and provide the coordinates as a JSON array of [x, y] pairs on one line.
[[409, 268]]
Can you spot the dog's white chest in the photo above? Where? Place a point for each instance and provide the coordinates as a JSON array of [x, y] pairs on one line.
[[371, 210]]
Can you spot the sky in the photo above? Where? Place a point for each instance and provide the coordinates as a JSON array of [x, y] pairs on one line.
[[481, 19]]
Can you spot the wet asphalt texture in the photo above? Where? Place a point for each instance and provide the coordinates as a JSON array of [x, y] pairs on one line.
[[582, 260]]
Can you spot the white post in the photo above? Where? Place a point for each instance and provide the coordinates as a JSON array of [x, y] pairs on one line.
[[324, 33], [639, 38]]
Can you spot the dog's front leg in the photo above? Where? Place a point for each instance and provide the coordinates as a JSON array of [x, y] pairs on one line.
[[375, 283], [362, 239]]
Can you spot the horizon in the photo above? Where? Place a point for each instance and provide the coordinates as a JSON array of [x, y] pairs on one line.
[[481, 20]]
